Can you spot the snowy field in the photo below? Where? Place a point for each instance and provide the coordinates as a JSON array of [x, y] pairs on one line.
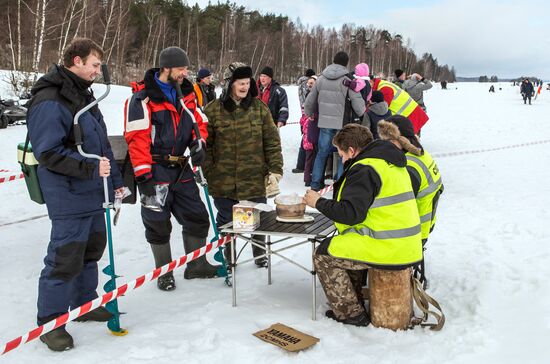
[[487, 260]]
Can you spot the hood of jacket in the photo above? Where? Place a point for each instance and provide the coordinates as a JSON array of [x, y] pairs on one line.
[[379, 108], [335, 71]]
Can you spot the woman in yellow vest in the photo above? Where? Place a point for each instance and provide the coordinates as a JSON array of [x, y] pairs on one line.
[[374, 210], [399, 130]]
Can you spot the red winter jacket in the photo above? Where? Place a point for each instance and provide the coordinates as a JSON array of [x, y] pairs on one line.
[[153, 125]]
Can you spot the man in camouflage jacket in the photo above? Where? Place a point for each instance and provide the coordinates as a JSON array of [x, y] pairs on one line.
[[244, 159]]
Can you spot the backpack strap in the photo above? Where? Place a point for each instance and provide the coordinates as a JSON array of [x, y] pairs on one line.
[[24, 168], [423, 302]]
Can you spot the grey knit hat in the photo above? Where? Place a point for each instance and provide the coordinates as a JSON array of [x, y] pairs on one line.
[[173, 57]]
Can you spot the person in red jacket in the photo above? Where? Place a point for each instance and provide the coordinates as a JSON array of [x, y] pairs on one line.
[[401, 103], [158, 131]]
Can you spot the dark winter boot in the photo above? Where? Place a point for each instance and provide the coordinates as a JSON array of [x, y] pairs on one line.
[[256, 252], [360, 320], [100, 314], [58, 339], [200, 267], [163, 256]]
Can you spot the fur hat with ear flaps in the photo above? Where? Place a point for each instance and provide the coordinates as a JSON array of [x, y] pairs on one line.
[[233, 72], [389, 131]]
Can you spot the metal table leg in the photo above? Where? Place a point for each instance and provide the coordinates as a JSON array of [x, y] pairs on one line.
[[233, 272], [314, 284], [268, 252]]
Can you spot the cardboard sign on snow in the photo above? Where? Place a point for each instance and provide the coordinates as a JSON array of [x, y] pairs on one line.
[[286, 337]]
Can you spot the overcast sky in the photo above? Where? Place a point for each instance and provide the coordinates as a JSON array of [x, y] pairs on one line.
[[503, 38]]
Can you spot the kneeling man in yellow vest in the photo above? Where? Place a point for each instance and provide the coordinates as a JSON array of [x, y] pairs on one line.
[[399, 130], [374, 209]]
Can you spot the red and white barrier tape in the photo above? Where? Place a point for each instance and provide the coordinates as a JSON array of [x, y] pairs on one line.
[[3, 170], [11, 178], [110, 296], [325, 190]]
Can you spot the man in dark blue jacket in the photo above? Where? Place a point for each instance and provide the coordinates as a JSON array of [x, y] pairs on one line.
[[274, 96], [527, 90], [72, 186]]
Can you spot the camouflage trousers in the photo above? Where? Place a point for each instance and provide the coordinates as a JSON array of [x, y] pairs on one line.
[[342, 283]]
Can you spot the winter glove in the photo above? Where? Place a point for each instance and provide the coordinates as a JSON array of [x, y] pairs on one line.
[[197, 156], [146, 186], [352, 84], [272, 185]]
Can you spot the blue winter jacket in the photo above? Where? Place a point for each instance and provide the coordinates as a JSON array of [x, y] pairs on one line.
[[70, 183]]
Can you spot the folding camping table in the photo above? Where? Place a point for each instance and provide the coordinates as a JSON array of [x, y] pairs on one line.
[[307, 232]]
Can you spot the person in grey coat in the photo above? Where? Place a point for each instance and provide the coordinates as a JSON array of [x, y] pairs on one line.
[[415, 86], [328, 98]]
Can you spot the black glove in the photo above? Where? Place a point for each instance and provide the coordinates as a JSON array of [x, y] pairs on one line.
[[147, 186], [197, 156]]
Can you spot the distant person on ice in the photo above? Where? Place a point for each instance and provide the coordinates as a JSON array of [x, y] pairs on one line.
[[72, 186], [527, 91], [492, 88]]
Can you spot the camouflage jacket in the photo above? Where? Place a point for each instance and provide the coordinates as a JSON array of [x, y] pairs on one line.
[[243, 147]]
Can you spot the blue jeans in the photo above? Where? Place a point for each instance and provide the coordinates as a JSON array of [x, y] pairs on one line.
[[324, 148]]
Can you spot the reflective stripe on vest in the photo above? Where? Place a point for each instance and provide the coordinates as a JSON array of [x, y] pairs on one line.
[[402, 103], [390, 234], [385, 201], [430, 184]]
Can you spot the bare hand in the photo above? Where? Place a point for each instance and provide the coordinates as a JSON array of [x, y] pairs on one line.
[[311, 197], [280, 124], [104, 168], [119, 191]]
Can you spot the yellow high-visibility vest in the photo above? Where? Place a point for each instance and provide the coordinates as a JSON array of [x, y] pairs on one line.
[[430, 184], [402, 103], [390, 234]]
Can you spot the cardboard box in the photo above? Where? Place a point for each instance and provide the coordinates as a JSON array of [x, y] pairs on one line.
[[286, 337], [246, 217]]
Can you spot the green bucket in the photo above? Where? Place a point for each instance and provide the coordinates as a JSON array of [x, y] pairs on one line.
[[29, 167]]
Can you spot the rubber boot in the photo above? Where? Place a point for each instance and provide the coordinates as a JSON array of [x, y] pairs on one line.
[[256, 252], [200, 267], [163, 256], [58, 339]]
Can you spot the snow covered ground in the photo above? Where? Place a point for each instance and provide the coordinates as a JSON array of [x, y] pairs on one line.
[[487, 260]]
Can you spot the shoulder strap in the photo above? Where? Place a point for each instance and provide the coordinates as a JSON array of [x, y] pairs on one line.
[[24, 168], [423, 302]]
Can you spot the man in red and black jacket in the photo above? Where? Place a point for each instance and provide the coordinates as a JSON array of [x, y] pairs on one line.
[[158, 131]]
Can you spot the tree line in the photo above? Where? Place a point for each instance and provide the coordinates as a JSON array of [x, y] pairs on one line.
[[132, 33]]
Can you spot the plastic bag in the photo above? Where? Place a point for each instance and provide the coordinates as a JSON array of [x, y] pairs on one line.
[[157, 201]]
